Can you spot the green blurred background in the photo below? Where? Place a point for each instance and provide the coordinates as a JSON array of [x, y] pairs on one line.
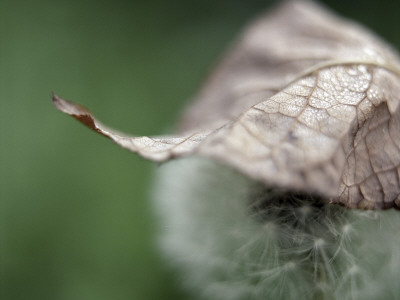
[[76, 214]]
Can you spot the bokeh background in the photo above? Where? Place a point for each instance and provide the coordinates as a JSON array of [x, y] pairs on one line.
[[76, 215]]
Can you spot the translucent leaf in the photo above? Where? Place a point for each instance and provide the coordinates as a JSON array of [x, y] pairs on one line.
[[305, 101]]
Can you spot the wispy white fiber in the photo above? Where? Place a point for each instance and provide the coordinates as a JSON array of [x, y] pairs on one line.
[[230, 239]]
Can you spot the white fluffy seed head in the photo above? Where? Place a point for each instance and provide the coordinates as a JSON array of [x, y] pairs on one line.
[[232, 238]]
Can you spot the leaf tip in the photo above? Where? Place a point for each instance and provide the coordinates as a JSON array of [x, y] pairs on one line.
[[69, 107], [56, 100], [79, 112]]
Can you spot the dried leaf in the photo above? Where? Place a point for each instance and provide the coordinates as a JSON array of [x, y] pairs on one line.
[[305, 101]]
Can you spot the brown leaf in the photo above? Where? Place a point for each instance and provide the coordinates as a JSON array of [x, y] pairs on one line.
[[304, 101], [154, 148]]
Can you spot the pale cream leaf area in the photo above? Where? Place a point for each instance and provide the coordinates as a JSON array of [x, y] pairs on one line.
[[305, 100]]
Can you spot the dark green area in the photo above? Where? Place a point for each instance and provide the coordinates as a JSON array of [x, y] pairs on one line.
[[76, 220]]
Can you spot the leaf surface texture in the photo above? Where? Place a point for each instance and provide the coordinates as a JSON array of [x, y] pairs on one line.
[[305, 100]]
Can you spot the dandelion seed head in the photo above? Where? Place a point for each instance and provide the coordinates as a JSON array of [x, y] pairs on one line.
[[234, 239]]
